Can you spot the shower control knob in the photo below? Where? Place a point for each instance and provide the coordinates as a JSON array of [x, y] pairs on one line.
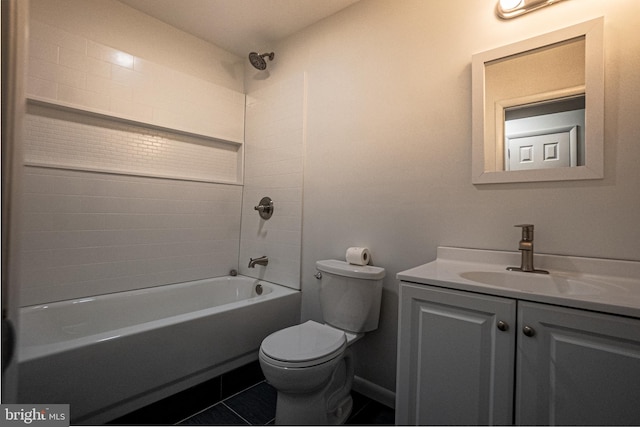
[[265, 208]]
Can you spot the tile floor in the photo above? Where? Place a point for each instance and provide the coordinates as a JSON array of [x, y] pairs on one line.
[[241, 397]]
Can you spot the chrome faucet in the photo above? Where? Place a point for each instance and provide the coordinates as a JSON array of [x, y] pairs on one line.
[[526, 247], [263, 260]]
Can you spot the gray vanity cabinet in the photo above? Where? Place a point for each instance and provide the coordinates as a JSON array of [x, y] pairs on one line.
[[577, 367], [455, 366], [475, 359]]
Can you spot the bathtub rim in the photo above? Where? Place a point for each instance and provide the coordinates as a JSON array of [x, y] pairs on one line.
[[32, 352]]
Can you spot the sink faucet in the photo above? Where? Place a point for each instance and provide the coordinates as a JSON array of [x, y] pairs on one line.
[[526, 247], [263, 260]]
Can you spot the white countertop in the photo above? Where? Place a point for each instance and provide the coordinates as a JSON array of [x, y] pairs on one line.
[[605, 285]]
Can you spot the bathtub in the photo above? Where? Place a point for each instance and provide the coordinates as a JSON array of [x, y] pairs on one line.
[[111, 354]]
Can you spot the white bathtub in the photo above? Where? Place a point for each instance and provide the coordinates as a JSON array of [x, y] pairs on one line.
[[111, 354]]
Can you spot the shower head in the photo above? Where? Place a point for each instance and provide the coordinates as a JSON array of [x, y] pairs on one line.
[[258, 61]]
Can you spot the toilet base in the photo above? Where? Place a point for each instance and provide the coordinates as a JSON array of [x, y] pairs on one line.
[[298, 409], [329, 405]]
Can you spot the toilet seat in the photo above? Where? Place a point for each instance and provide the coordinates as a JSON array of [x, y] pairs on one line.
[[304, 345]]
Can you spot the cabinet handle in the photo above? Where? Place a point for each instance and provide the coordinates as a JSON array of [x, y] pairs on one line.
[[528, 331], [503, 326]]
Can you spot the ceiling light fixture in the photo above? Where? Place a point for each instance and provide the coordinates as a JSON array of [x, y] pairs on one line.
[[507, 9]]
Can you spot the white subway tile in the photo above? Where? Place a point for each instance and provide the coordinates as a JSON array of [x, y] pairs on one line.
[[122, 104], [44, 70], [91, 251], [95, 67], [126, 76], [73, 59], [70, 77], [37, 222], [83, 97], [41, 32], [71, 42], [108, 54], [146, 93], [93, 233], [43, 50], [178, 100], [98, 84], [273, 166], [148, 68], [41, 88]]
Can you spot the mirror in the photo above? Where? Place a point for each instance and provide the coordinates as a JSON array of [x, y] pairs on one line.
[[538, 108]]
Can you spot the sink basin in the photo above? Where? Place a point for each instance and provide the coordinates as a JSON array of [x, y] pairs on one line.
[[555, 283]]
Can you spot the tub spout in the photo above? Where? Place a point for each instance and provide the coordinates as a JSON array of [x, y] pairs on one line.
[[263, 260]]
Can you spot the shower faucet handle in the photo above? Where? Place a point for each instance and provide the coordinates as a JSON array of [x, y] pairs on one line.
[[265, 208]]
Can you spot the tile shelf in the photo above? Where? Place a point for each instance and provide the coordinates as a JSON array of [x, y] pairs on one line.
[[46, 102], [56, 163], [129, 173]]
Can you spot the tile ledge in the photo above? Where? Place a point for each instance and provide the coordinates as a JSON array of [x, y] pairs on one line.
[[65, 106]]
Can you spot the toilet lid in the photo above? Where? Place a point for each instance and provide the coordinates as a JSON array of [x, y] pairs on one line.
[[306, 342]]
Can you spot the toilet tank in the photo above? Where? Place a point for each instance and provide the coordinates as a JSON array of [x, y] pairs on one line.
[[350, 295]]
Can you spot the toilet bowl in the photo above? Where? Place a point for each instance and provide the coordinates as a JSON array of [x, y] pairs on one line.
[[311, 364], [311, 367]]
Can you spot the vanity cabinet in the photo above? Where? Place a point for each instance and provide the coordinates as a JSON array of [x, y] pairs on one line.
[[577, 368], [455, 366], [475, 359]]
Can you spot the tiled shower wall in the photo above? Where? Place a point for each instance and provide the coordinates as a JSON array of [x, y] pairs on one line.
[[114, 205], [274, 144], [88, 233], [132, 197], [71, 70]]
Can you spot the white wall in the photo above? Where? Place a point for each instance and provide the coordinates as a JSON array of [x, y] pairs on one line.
[[388, 145]]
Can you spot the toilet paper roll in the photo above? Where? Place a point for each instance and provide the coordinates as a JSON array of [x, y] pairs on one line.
[[358, 256]]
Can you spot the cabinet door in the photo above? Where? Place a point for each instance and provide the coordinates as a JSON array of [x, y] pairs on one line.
[[577, 368], [455, 366]]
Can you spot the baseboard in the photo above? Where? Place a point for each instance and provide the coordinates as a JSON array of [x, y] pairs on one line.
[[374, 391]]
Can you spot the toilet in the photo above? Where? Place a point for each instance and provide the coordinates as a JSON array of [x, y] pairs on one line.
[[311, 364]]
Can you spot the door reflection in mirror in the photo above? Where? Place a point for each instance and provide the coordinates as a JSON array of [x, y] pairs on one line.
[[529, 78], [546, 134]]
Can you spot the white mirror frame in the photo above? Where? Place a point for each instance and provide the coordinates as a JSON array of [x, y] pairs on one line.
[[593, 31]]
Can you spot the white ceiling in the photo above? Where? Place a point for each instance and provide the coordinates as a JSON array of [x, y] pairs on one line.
[[240, 26]]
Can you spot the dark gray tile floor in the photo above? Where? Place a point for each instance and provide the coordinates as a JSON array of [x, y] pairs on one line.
[[240, 397], [256, 406], [253, 406]]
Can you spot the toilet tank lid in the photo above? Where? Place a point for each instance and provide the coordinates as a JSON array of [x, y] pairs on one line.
[[343, 268]]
